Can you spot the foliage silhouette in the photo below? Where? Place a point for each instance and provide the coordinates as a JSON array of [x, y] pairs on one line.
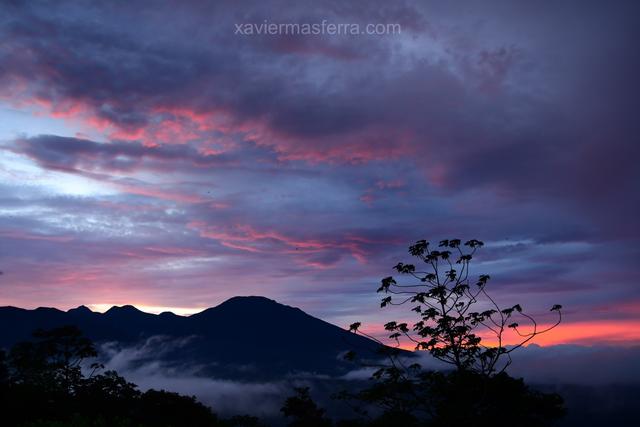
[[455, 398], [477, 390], [445, 298], [303, 410], [52, 362], [42, 383]]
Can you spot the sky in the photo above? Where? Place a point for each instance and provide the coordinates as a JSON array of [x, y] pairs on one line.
[[153, 154]]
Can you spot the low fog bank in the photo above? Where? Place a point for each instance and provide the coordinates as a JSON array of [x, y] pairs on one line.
[[143, 364], [571, 370], [224, 396]]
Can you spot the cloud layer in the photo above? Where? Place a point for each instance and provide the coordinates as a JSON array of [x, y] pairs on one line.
[[578, 372], [188, 164]]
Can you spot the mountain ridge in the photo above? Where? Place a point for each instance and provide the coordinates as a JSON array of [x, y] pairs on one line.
[[84, 308], [247, 336]]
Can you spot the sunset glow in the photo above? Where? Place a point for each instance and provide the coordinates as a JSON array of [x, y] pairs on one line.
[[180, 311]]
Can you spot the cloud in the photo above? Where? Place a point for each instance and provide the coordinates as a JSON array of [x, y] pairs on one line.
[[325, 156], [142, 364], [474, 109]]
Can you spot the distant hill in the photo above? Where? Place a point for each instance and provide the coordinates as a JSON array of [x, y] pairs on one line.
[[244, 337]]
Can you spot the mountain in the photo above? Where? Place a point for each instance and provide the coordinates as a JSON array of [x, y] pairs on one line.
[[244, 337]]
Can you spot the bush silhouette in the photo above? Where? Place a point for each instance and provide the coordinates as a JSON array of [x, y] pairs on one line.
[[303, 410]]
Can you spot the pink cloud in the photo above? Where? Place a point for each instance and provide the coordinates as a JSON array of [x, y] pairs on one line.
[[314, 252], [159, 193]]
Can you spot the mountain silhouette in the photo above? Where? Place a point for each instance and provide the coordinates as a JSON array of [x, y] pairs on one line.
[[244, 337]]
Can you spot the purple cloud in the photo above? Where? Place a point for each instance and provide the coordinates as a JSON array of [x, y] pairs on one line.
[[301, 167]]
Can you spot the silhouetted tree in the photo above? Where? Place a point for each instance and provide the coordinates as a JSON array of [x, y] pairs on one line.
[[53, 361], [463, 398], [444, 299], [478, 390], [42, 384], [303, 410], [163, 408]]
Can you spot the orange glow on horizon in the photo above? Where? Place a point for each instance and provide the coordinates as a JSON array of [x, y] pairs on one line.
[[589, 333], [619, 332]]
